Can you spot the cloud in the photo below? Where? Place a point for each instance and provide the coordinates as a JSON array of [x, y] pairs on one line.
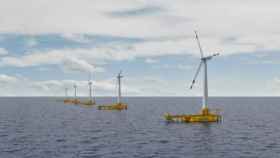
[[81, 38], [151, 61], [215, 18], [11, 85], [274, 84], [74, 64], [136, 86], [93, 58], [66, 59], [5, 79], [157, 28], [107, 87], [33, 59], [31, 42], [225, 26], [3, 51], [142, 11]]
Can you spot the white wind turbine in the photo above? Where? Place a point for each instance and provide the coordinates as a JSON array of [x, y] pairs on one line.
[[119, 86], [75, 91], [90, 89], [66, 92], [203, 62]]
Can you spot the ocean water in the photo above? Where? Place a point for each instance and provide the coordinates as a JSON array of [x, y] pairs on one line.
[[46, 128]]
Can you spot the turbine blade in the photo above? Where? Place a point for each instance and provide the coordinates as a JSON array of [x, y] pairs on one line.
[[213, 55], [196, 74], [198, 43]]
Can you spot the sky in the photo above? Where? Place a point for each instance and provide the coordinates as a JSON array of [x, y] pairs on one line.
[[49, 45]]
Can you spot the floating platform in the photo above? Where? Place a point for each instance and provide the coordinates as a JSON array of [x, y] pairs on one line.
[[88, 103], [204, 117], [67, 101], [117, 106], [72, 101]]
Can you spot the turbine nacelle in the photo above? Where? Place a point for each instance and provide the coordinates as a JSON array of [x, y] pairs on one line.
[[120, 75], [209, 57]]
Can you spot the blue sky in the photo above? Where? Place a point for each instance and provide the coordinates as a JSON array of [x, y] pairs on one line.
[[45, 48]]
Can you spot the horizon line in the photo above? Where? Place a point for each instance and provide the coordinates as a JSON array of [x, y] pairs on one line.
[[135, 96]]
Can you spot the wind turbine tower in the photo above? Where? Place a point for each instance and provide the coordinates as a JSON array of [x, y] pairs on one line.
[[91, 100], [90, 90], [75, 91], [119, 87], [66, 92]]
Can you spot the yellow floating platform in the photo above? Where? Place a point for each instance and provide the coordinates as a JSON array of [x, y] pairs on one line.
[[67, 101], [72, 101], [204, 116], [117, 106], [88, 103]]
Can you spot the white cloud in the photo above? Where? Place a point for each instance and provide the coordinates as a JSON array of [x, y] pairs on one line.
[[274, 85], [66, 58], [7, 79], [227, 27], [76, 37], [33, 59], [64, 16], [3, 51], [31, 42], [252, 24], [74, 64], [11, 85], [137, 86], [84, 57], [151, 61], [107, 87]]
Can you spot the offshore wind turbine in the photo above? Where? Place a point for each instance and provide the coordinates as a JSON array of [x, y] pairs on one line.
[[71, 101], [205, 115], [90, 88], [203, 64], [75, 101], [91, 101], [66, 92], [66, 99], [119, 77], [119, 105], [75, 91]]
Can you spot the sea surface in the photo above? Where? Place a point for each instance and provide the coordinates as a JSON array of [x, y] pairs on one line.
[[47, 128]]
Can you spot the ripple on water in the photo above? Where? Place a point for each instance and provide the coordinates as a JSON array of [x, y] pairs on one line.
[[55, 130], [90, 153], [60, 140]]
